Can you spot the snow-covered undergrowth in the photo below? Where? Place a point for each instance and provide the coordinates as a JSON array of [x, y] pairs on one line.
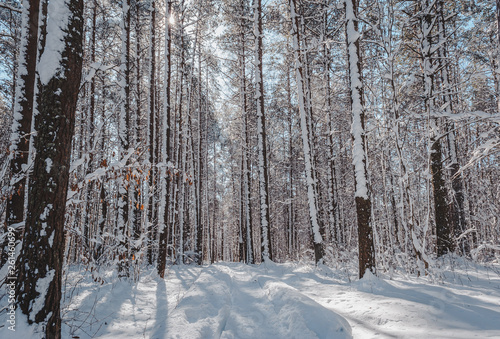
[[232, 300]]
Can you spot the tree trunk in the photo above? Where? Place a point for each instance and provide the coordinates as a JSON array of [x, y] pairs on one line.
[[135, 179], [163, 208], [443, 231], [199, 169], [306, 137], [21, 127], [457, 212], [124, 136], [261, 132], [245, 162], [497, 70], [42, 254], [152, 137], [362, 194]]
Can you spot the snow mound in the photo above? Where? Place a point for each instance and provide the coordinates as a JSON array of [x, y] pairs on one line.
[[203, 310], [302, 317], [371, 283], [225, 303]]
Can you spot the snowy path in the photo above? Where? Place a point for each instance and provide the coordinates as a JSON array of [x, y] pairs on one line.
[[229, 300], [229, 303]]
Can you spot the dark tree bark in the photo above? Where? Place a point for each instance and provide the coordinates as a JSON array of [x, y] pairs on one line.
[[291, 229], [124, 135], [163, 216], [246, 215], [443, 229], [23, 112], [262, 138], [153, 144], [199, 170], [456, 206], [135, 213], [362, 195], [428, 24], [497, 75], [41, 258]]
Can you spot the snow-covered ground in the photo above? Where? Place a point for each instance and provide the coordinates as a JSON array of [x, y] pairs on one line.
[[232, 300]]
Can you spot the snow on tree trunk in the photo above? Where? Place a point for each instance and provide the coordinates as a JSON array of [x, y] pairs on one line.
[[362, 197], [246, 196], [332, 203], [124, 136], [311, 192], [199, 170], [186, 129], [87, 148], [152, 123], [163, 206], [42, 254], [246, 179], [497, 70], [135, 176], [21, 126], [261, 133]]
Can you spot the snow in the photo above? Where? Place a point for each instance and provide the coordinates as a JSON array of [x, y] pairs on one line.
[[311, 194], [42, 287], [122, 123], [19, 94], [234, 300], [357, 130], [48, 163], [46, 212], [57, 21], [51, 238]]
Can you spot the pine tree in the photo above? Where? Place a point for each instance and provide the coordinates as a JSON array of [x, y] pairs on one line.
[[306, 137], [362, 194], [21, 128], [163, 206], [41, 257], [262, 136], [124, 136]]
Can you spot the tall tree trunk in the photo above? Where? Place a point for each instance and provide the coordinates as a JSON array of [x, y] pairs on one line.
[[242, 238], [124, 136], [443, 231], [291, 215], [104, 201], [332, 203], [42, 254], [21, 127], [497, 70], [89, 143], [306, 137], [457, 212], [245, 162], [135, 179], [163, 206], [261, 132], [152, 133], [188, 139], [199, 169], [182, 140], [362, 194]]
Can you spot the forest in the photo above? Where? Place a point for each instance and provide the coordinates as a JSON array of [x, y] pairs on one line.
[[155, 138]]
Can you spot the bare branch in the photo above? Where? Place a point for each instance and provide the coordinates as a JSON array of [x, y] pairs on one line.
[[10, 8]]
